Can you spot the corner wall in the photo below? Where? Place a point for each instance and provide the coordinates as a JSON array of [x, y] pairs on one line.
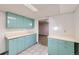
[[2, 32], [76, 14]]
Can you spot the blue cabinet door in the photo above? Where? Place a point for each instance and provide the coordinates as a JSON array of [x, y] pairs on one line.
[[30, 40], [28, 23], [69, 47], [19, 21], [65, 48], [15, 46], [11, 20], [12, 47], [52, 46], [61, 49]]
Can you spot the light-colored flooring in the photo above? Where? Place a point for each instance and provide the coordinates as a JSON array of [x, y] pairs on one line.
[[36, 49]]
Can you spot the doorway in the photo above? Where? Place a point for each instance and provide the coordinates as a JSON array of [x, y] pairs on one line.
[[43, 32]]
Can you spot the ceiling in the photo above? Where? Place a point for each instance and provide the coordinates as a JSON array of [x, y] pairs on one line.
[[44, 10]]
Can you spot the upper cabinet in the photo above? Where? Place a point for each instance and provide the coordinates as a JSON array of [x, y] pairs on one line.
[[18, 21]]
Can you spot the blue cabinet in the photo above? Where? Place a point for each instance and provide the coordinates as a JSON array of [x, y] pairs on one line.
[[28, 23], [60, 47], [52, 47], [19, 44], [10, 20], [18, 21]]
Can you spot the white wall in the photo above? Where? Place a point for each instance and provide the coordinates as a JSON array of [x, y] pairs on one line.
[[2, 30], [76, 14], [65, 24]]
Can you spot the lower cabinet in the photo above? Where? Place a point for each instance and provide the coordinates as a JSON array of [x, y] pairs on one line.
[[60, 47], [19, 44]]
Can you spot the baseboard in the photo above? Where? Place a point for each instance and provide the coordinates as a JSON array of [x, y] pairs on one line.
[[4, 53]]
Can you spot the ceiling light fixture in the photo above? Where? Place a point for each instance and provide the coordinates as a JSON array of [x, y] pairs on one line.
[[31, 7]]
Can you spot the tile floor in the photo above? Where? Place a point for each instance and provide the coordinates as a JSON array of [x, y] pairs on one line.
[[37, 49]]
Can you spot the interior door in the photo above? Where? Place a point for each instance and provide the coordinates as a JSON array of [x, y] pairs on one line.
[[43, 33]]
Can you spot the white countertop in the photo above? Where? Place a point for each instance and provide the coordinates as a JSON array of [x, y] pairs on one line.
[[14, 34], [64, 37]]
